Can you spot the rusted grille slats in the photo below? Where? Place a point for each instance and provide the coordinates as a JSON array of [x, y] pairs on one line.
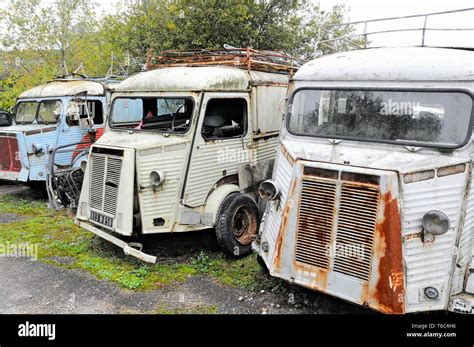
[[350, 251], [315, 222], [356, 228]]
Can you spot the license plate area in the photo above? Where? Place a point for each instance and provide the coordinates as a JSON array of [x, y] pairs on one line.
[[102, 219]]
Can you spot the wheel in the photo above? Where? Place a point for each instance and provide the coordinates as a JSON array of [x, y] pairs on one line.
[[237, 224]]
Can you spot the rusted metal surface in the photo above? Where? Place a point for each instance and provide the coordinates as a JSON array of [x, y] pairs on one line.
[[186, 79], [283, 226], [389, 290], [323, 217], [244, 58]]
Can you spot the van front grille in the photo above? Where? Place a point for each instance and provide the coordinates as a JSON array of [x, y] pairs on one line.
[[105, 181], [355, 230], [336, 225], [315, 222]]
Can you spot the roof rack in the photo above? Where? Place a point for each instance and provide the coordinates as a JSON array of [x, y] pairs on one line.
[[243, 58], [335, 38], [79, 77]]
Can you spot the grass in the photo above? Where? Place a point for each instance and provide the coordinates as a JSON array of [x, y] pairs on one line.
[[58, 238]]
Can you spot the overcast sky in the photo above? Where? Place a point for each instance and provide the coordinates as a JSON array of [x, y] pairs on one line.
[[371, 9]]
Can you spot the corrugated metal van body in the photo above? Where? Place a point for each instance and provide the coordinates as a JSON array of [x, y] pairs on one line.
[[38, 163], [318, 207], [210, 162], [164, 201], [430, 264]]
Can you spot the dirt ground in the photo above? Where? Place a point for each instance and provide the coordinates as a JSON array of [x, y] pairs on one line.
[[38, 287]]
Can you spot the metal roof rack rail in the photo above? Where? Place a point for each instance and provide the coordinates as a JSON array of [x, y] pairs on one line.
[[365, 34], [243, 58]]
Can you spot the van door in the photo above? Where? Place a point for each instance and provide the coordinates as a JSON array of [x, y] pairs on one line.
[[221, 144]]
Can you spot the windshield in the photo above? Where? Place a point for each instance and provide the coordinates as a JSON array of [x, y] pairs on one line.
[[427, 118], [25, 112], [49, 111], [163, 114], [45, 112]]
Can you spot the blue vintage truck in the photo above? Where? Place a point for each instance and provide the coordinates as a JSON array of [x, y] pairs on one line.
[[62, 112]]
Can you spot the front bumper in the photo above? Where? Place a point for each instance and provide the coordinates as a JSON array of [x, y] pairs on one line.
[[463, 303], [128, 249]]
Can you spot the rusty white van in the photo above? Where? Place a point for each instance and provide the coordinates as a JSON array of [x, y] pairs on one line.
[[185, 148], [371, 199]]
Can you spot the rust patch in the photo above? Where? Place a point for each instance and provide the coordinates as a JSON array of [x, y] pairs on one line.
[[320, 281], [287, 155], [284, 222], [389, 290]]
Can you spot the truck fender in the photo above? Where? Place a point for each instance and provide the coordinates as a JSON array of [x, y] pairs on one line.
[[215, 199]]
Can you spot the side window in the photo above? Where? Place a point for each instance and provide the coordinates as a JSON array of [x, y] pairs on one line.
[[96, 110], [225, 118], [77, 110]]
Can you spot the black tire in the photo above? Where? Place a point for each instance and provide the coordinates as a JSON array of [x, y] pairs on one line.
[[237, 224]]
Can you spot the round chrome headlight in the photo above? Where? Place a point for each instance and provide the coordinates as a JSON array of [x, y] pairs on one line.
[[431, 293], [268, 190], [436, 222], [156, 178]]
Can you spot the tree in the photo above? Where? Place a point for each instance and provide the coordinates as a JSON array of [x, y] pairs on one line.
[[288, 25], [44, 41]]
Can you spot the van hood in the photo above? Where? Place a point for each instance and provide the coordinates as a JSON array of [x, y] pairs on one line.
[[373, 155], [138, 140]]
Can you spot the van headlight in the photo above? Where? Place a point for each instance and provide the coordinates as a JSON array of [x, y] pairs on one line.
[[268, 190], [436, 222], [156, 179]]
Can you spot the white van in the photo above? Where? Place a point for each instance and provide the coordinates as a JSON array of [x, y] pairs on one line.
[[185, 149], [371, 198]]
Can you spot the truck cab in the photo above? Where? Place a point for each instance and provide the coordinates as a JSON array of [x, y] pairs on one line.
[[371, 198]]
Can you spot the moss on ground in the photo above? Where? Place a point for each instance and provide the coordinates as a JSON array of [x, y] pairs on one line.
[[57, 237]]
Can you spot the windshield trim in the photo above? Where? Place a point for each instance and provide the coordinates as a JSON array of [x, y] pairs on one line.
[[385, 89], [146, 131]]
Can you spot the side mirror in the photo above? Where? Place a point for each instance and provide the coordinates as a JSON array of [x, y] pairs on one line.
[[92, 135]]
